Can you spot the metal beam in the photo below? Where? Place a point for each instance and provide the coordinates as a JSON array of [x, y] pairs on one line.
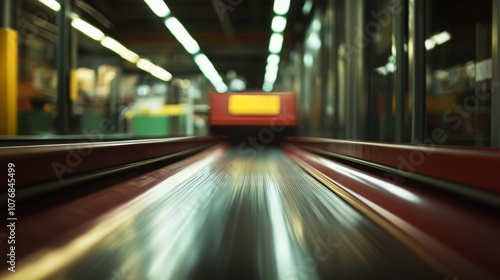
[[416, 60], [495, 96], [5, 13], [63, 57], [400, 77]]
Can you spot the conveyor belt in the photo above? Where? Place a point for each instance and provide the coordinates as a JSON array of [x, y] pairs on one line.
[[241, 216]]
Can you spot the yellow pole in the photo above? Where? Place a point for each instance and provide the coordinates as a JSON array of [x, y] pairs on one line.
[[8, 81]]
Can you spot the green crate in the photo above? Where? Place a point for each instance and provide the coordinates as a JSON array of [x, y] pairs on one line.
[[35, 123], [91, 121], [150, 125]]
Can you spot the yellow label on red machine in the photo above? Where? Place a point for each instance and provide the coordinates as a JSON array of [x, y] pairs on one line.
[[254, 104]]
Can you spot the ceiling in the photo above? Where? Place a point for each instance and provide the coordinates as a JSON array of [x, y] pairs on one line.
[[234, 34]]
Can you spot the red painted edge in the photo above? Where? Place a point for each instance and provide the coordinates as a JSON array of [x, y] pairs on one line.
[[46, 163], [57, 226], [462, 237], [470, 166]]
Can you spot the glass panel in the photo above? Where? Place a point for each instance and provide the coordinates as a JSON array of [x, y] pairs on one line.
[[36, 26], [381, 67], [458, 72], [313, 81]]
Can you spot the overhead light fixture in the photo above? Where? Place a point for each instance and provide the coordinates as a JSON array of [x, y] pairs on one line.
[[221, 87], [209, 71], [281, 7], [429, 44], [278, 24], [206, 67], [271, 76], [276, 43], [437, 39], [51, 4], [158, 7], [87, 29], [273, 59], [272, 68], [308, 60], [313, 41], [306, 9], [267, 87], [120, 49], [154, 70], [161, 74], [181, 34], [441, 38], [145, 65]]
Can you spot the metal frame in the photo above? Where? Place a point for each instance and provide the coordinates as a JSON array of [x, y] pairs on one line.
[[400, 77], [412, 214], [5, 13], [495, 98], [63, 162], [439, 166], [63, 66], [356, 86], [416, 60]]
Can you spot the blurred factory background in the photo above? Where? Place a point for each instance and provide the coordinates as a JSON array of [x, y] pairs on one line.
[[390, 71], [250, 139]]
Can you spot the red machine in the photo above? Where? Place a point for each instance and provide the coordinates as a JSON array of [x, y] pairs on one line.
[[241, 115]]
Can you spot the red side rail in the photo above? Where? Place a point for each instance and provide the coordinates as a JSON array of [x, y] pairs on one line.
[[465, 166], [46, 163], [456, 236]]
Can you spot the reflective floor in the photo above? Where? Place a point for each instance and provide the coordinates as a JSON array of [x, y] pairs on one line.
[[241, 216]]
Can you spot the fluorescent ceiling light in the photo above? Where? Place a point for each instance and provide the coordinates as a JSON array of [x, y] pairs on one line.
[[273, 59], [307, 7], [271, 76], [272, 68], [181, 34], [208, 70], [158, 7], [313, 41], [145, 65], [267, 87], [206, 66], [120, 49], [161, 74], [308, 60], [278, 25], [429, 44], [221, 87], [52, 4], [437, 39], [441, 38], [281, 7], [276, 43], [154, 70], [87, 29]]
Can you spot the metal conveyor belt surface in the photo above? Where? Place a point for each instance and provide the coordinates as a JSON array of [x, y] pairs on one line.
[[241, 216]]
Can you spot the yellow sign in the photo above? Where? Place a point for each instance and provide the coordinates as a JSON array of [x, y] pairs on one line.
[[254, 104]]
